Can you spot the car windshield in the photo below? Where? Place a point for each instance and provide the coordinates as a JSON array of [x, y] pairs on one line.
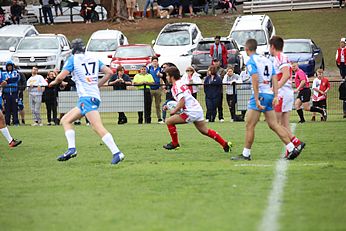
[[101, 45], [39, 44], [205, 46], [174, 38], [7, 42], [242, 36], [297, 47], [133, 52]]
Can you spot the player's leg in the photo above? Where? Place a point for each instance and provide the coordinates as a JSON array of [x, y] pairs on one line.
[[95, 120], [252, 117], [6, 133], [202, 128], [67, 123], [292, 151], [171, 122]]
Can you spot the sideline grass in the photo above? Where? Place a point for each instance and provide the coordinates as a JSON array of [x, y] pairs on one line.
[[194, 188]]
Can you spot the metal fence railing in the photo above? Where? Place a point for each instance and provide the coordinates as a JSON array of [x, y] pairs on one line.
[[132, 100]]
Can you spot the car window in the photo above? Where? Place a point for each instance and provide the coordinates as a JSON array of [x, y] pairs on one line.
[[134, 52], [174, 38], [39, 44], [30, 32], [270, 27], [7, 42], [314, 46], [102, 45], [121, 40], [205, 46], [194, 34], [297, 47], [243, 35]]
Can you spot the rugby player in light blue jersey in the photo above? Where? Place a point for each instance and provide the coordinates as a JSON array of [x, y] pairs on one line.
[[85, 70], [264, 85]]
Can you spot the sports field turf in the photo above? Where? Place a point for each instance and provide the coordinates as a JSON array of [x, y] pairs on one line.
[[194, 188]]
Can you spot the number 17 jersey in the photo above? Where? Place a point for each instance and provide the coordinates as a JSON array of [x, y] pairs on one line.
[[264, 68], [85, 70]]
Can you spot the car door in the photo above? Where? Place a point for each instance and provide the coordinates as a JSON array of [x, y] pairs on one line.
[[317, 55]]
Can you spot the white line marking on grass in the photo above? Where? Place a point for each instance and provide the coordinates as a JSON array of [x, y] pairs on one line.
[[253, 165], [270, 218]]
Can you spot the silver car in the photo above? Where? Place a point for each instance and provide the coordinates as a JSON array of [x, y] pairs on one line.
[[46, 51]]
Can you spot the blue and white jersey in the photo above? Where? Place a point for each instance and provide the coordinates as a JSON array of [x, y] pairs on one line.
[[85, 71], [264, 68]]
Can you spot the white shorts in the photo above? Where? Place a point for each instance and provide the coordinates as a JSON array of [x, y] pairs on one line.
[[286, 100], [191, 117]]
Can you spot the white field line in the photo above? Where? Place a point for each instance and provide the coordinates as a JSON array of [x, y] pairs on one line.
[[270, 218]]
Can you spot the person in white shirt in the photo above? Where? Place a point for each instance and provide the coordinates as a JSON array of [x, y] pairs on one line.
[[85, 71], [190, 78], [231, 79], [36, 85]]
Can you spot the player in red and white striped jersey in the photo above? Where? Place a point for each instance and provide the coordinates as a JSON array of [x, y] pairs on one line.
[[187, 110]]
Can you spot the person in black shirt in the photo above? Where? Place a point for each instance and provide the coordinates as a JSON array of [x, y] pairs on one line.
[[119, 81], [51, 101], [16, 12]]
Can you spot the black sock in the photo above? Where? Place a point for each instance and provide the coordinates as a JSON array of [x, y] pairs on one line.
[[301, 114], [316, 109]]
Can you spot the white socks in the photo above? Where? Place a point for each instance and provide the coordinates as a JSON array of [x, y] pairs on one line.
[[246, 152], [6, 133], [290, 146], [70, 136], [109, 141]]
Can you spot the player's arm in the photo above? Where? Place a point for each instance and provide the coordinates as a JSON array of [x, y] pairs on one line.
[[256, 91], [108, 73], [285, 76], [275, 89], [180, 105], [61, 76], [302, 83]]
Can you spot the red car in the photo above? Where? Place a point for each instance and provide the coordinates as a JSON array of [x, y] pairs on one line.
[[132, 57]]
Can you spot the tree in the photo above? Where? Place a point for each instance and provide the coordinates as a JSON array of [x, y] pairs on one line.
[[116, 9]]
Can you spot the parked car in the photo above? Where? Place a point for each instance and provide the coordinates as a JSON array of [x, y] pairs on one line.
[[132, 57], [259, 27], [46, 51], [176, 42], [10, 36], [201, 58], [103, 43], [306, 53]]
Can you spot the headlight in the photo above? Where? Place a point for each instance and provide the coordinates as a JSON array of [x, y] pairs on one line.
[[15, 59], [51, 58], [114, 65], [303, 63]]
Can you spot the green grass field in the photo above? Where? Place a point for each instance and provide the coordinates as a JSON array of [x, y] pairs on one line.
[[194, 188]]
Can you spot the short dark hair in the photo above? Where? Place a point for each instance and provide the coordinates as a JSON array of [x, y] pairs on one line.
[[154, 58], [173, 72], [217, 37], [120, 68], [251, 44], [277, 42]]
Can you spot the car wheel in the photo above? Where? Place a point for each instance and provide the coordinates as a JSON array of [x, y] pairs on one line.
[[322, 64]]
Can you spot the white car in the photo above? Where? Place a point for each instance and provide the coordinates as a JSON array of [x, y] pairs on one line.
[[10, 36], [46, 51], [259, 27], [175, 44], [103, 44]]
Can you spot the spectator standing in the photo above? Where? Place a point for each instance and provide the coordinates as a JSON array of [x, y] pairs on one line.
[[212, 90], [51, 99], [130, 4], [146, 5], [218, 51], [36, 86], [221, 72], [190, 78], [186, 4], [87, 10], [10, 79], [231, 79], [143, 80], [341, 58], [57, 6], [16, 12], [342, 95], [47, 11], [21, 89], [120, 81], [320, 88], [155, 90]]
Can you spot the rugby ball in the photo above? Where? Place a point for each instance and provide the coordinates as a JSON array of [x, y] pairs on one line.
[[171, 105]]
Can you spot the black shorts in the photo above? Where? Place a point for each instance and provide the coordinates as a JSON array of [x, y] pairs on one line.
[[304, 95], [320, 104]]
